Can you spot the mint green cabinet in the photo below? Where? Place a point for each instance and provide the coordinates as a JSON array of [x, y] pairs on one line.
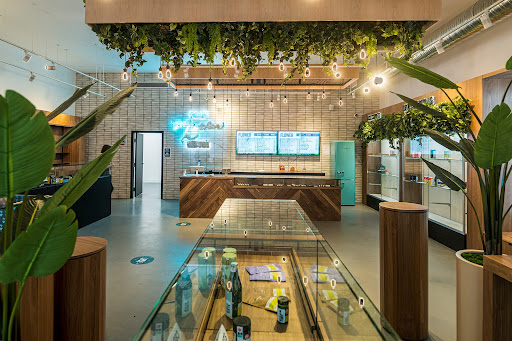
[[343, 167]]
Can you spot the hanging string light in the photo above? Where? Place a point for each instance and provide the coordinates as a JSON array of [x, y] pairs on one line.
[[281, 66], [335, 65], [214, 99], [285, 100], [125, 74], [190, 99], [247, 93], [271, 103], [340, 102], [309, 95], [160, 73], [227, 103], [232, 61], [307, 72], [362, 53], [210, 85], [168, 74], [323, 94], [176, 92]]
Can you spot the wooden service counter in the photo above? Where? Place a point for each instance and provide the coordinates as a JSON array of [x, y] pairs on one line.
[[202, 196]]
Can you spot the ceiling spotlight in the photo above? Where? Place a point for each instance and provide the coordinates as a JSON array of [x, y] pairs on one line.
[[340, 102], [168, 74], [190, 98], [185, 72], [27, 57], [362, 54], [353, 95], [323, 95], [378, 80], [309, 95], [281, 66], [50, 67], [486, 21], [160, 73], [439, 46], [32, 77], [366, 90], [335, 65], [175, 92], [337, 74], [125, 74], [307, 72], [214, 99], [271, 103], [210, 85], [285, 100], [247, 93]]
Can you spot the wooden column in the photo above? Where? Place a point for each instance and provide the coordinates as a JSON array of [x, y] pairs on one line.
[[80, 302], [404, 268], [497, 298]]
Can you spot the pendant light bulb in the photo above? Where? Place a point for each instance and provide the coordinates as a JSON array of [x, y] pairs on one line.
[[335, 65], [309, 95], [271, 103], [281, 66], [323, 95], [353, 95], [160, 73], [340, 102], [247, 93], [318, 97], [175, 92], [168, 74], [210, 85], [362, 54], [337, 74], [307, 72], [227, 102], [285, 100], [125, 74], [214, 99], [190, 97], [232, 61]]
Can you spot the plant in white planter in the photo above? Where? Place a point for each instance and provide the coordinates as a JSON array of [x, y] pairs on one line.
[[489, 154]]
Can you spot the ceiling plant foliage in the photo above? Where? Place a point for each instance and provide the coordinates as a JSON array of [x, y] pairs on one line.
[[244, 43], [456, 119]]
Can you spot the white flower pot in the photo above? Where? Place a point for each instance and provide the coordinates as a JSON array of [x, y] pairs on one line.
[[470, 292]]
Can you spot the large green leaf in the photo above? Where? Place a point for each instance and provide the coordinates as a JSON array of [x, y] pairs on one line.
[[27, 147], [67, 103], [448, 178], [96, 116], [42, 249], [421, 107], [493, 145], [72, 191], [422, 74], [508, 66]]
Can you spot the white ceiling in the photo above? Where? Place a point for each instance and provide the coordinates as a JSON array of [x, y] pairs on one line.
[[56, 29]]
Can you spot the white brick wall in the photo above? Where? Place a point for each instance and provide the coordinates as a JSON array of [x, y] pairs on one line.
[[153, 110]]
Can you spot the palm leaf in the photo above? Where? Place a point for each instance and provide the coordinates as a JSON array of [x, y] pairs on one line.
[[41, 250], [448, 178], [422, 74], [444, 140], [67, 103], [508, 66], [421, 107], [493, 146], [96, 117], [27, 147], [72, 191]]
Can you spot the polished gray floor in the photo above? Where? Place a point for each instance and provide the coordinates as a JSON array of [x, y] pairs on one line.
[[146, 226]]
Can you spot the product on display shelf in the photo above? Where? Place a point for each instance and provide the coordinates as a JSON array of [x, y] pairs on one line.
[[184, 294], [343, 312], [324, 278], [160, 327], [241, 328], [206, 273], [268, 276], [283, 309], [330, 295], [227, 259], [263, 297], [234, 293], [263, 268], [323, 269], [222, 335]]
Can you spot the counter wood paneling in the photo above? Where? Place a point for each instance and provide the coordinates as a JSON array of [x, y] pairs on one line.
[[202, 196]]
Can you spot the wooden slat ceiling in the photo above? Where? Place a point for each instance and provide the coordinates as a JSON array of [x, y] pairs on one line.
[[182, 11]]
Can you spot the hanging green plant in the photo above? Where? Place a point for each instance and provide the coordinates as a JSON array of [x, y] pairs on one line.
[[413, 122], [244, 42]]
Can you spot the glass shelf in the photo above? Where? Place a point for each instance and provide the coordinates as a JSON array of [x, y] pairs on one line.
[[385, 186], [382, 155], [380, 173], [265, 232]]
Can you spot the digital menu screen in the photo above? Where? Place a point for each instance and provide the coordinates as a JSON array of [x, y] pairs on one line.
[[256, 142], [299, 143]]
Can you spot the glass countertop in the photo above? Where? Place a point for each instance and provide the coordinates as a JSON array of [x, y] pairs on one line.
[[292, 259]]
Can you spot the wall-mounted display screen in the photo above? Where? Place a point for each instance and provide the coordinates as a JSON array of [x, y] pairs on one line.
[[256, 142], [299, 143]]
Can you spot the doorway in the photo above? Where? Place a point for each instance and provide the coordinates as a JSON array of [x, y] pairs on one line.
[[147, 164]]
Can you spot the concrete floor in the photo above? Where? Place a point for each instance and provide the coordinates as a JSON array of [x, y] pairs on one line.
[[146, 226]]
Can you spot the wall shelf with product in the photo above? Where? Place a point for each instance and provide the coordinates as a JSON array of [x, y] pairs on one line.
[[383, 171], [74, 153]]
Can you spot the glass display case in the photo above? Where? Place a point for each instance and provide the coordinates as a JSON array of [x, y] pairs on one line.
[[421, 185], [261, 181], [383, 168], [279, 253]]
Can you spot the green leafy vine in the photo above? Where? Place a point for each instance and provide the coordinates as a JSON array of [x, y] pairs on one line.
[[412, 123], [245, 42]]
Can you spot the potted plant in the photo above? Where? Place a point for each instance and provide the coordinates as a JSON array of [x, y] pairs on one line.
[[489, 154], [39, 246]]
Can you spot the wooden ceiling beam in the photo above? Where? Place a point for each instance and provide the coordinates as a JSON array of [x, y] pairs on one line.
[[179, 11]]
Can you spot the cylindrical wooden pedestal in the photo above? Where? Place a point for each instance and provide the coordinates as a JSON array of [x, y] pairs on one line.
[[404, 268], [80, 302]]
